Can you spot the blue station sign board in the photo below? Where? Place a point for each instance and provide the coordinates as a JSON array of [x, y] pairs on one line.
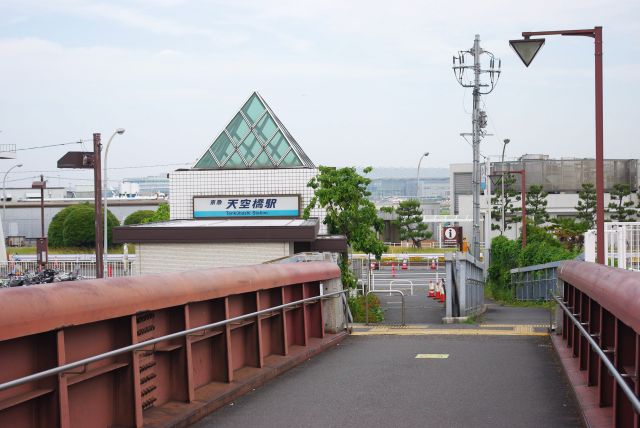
[[246, 206]]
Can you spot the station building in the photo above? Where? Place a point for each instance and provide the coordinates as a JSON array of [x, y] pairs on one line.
[[241, 203]]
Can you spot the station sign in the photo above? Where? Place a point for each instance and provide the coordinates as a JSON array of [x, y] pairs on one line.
[[247, 206]]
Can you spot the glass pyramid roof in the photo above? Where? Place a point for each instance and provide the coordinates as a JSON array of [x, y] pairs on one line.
[[254, 139]]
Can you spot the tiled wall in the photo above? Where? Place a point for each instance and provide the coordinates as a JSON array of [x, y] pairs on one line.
[[163, 257], [187, 184]]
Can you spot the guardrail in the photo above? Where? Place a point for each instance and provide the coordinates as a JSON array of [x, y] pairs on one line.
[[534, 283], [366, 303], [464, 285], [85, 269], [404, 281], [621, 245], [601, 325], [159, 349]]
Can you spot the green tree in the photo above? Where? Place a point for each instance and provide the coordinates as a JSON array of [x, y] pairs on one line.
[[410, 222], [569, 231], [160, 214], [537, 205], [343, 194], [512, 212], [138, 217], [586, 207], [55, 233], [79, 227], [621, 205]]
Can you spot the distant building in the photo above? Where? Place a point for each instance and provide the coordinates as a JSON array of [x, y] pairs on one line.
[[146, 186], [561, 178]]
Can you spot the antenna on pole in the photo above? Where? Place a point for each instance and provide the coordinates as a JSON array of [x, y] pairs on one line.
[[469, 76]]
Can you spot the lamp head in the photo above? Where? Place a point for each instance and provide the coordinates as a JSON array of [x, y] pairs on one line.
[[120, 131], [506, 141], [426, 154], [19, 165]]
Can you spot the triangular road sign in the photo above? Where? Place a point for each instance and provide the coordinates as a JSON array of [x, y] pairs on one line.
[[527, 49]]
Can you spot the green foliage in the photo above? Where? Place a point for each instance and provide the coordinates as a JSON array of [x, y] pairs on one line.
[[504, 257], [160, 214], [621, 205], [542, 247], [343, 194], [356, 305], [138, 217], [511, 211], [388, 210], [537, 205], [74, 227], [586, 207], [410, 222], [569, 231], [55, 233]]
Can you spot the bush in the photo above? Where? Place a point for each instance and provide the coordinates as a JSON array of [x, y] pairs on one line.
[[138, 217], [356, 305], [55, 232], [160, 214], [542, 247], [78, 228]]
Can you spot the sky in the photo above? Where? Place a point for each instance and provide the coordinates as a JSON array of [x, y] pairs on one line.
[[356, 82]]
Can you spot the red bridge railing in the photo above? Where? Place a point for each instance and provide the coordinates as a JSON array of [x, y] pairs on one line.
[[156, 349], [601, 326]]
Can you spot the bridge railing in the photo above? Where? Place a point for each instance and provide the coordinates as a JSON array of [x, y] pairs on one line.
[[464, 285], [158, 348], [601, 325], [536, 282]]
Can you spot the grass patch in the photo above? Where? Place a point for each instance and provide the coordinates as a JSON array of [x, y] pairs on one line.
[[356, 305], [473, 319]]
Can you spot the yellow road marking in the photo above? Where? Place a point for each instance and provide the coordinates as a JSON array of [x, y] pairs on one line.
[[433, 356], [516, 331]]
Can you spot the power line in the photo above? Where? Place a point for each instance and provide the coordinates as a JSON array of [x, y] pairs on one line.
[[51, 145]]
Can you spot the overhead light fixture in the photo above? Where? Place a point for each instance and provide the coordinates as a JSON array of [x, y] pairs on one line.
[[527, 49]]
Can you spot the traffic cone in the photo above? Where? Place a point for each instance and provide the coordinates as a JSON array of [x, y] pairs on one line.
[[442, 295], [393, 270], [432, 292], [404, 265], [437, 292]]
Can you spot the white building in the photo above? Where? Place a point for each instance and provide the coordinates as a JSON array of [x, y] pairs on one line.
[[241, 203]]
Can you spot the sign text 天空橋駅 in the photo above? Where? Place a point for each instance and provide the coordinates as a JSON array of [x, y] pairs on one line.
[[273, 206]]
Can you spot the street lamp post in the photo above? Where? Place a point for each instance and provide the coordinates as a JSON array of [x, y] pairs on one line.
[[105, 182], [527, 48], [504, 146], [4, 192], [418, 176]]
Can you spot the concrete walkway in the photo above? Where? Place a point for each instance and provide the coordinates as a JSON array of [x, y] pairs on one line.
[[377, 381]]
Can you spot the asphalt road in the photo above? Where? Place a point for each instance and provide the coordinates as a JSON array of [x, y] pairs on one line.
[[376, 381], [419, 309]]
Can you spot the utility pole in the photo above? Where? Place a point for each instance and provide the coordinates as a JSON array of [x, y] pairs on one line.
[[478, 118]]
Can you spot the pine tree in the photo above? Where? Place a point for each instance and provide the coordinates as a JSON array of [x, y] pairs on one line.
[[586, 207], [511, 212], [537, 205], [621, 205], [410, 222]]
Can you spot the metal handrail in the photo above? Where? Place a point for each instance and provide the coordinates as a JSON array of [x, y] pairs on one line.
[[635, 402], [366, 303], [401, 280], [136, 346]]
